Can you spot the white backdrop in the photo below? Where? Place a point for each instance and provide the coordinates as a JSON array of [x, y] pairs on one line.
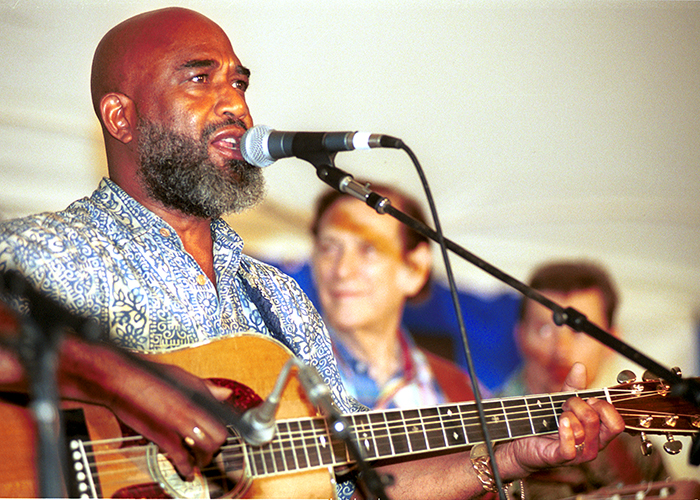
[[546, 129]]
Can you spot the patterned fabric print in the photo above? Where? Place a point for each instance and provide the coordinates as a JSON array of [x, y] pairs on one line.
[[414, 385], [109, 258]]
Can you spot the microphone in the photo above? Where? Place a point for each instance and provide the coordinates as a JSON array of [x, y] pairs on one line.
[[262, 146], [257, 426]]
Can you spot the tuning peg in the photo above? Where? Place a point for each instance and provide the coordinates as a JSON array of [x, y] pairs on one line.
[[677, 371], [647, 447], [672, 447], [626, 376]]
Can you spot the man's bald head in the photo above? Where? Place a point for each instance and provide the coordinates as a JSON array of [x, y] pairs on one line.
[[128, 49]]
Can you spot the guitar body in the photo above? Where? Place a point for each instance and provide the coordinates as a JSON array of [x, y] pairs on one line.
[[252, 360]]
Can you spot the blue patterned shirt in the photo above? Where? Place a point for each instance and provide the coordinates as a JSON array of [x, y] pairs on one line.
[[109, 258]]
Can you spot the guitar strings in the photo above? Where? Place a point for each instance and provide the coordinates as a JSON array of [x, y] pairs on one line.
[[288, 442]]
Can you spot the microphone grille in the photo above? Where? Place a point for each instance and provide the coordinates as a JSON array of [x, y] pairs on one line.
[[254, 146]]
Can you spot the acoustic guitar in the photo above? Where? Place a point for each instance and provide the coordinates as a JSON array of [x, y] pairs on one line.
[[107, 461]]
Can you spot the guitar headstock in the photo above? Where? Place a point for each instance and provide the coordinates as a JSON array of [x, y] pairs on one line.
[[648, 407]]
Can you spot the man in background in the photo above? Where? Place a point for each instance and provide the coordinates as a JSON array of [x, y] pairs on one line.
[[549, 351]]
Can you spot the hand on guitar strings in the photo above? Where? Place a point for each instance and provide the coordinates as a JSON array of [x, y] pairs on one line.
[[188, 435], [585, 428]]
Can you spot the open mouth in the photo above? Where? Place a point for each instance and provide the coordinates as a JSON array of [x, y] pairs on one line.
[[227, 146], [229, 142]]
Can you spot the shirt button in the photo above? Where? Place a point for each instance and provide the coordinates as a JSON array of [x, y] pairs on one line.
[[201, 280], [165, 232]]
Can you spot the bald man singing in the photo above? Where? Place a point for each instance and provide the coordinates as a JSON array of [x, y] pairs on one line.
[[150, 258]]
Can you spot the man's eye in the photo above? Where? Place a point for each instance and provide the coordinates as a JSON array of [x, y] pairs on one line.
[[546, 330], [200, 79], [240, 85]]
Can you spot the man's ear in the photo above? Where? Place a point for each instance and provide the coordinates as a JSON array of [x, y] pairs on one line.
[[118, 116]]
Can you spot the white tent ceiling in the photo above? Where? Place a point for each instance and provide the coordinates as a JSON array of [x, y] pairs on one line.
[[546, 129]]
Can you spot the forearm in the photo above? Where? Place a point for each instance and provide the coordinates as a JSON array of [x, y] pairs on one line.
[[447, 477], [93, 373]]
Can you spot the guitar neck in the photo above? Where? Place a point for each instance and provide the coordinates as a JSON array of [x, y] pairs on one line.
[[309, 443]]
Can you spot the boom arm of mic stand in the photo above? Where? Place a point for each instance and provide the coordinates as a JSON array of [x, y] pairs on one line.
[[686, 388]]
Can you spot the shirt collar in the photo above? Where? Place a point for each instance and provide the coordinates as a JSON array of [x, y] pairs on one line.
[[408, 369], [139, 219]]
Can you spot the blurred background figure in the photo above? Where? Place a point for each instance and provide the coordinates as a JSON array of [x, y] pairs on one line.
[[548, 352], [366, 267]]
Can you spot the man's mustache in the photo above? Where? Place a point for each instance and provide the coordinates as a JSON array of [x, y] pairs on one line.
[[214, 127]]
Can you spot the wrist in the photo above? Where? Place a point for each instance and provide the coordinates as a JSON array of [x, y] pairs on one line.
[[481, 463], [509, 466]]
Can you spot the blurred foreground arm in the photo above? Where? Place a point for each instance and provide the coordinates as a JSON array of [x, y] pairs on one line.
[[98, 374]]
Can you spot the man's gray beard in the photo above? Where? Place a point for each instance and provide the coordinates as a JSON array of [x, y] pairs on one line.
[[177, 172]]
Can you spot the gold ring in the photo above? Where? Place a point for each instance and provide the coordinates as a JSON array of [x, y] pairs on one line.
[[189, 442], [198, 433]]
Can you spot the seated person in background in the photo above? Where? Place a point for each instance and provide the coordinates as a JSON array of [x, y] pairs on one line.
[[549, 352], [366, 266]]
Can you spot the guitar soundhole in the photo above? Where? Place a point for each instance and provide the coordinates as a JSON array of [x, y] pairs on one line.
[[225, 476]]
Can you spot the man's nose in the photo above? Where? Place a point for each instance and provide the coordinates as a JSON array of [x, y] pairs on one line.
[[231, 103], [563, 342]]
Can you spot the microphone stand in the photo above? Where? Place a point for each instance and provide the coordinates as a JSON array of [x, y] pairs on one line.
[[37, 347], [688, 389]]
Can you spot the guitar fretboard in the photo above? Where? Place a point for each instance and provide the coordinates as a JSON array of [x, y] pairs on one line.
[[309, 443]]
